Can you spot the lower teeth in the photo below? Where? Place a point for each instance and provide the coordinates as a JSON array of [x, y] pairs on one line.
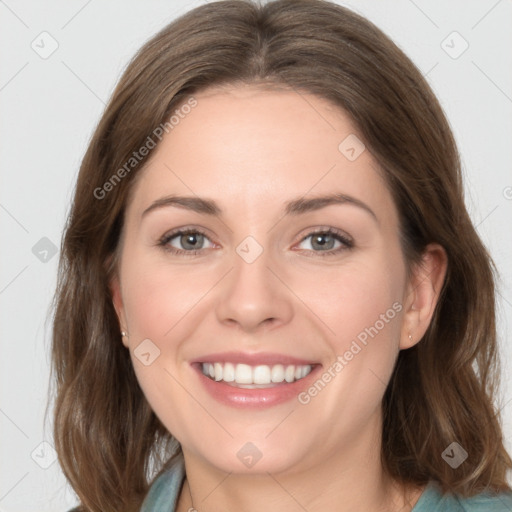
[[255, 386]]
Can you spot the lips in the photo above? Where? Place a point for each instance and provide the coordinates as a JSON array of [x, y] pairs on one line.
[[254, 380]]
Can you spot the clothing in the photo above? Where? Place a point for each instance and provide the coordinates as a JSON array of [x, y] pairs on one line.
[[163, 496], [431, 500], [165, 490]]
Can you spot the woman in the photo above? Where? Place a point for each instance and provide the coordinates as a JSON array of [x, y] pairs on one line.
[[271, 293]]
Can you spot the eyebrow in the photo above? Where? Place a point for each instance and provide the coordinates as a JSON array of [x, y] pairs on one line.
[[294, 207]]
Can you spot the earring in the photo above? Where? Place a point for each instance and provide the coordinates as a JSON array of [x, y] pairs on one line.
[[124, 334], [410, 337]]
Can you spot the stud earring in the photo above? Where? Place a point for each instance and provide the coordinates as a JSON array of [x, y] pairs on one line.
[[410, 337], [124, 334]]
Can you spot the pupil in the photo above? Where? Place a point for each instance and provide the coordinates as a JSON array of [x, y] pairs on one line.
[[191, 240], [320, 240]]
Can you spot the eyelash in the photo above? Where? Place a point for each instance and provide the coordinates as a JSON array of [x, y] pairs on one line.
[[347, 243]]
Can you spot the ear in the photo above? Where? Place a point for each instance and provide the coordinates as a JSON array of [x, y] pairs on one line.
[[117, 300], [422, 294]]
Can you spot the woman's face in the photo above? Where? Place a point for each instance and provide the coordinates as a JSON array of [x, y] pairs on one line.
[[294, 300]]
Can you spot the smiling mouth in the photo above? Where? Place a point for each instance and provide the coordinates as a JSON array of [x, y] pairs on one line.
[[255, 377]]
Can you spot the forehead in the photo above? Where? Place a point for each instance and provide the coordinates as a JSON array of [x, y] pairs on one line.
[[249, 147]]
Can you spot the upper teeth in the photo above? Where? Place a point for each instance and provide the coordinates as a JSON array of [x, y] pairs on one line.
[[261, 374]]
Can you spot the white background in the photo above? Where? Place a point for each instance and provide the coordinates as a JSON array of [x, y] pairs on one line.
[[49, 108]]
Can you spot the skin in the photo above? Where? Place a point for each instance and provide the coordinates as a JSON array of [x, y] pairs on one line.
[[252, 150]]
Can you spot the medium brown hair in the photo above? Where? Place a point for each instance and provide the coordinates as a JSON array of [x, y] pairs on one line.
[[109, 442]]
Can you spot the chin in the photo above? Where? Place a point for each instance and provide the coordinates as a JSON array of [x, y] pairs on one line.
[[254, 458]]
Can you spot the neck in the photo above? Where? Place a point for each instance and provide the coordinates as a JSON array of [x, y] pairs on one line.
[[348, 479]]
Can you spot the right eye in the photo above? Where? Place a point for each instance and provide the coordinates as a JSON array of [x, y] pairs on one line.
[[190, 240]]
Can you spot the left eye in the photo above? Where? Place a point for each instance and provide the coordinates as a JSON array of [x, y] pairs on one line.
[[323, 241]]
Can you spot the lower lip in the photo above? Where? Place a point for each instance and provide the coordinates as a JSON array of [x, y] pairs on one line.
[[255, 398]]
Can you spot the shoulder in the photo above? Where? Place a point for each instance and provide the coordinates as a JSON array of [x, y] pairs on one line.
[[432, 500], [485, 502], [164, 491]]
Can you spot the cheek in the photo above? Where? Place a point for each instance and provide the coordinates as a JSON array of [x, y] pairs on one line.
[[355, 300], [159, 298], [361, 305]]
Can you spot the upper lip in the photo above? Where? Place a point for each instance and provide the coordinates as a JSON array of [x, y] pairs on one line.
[[252, 359]]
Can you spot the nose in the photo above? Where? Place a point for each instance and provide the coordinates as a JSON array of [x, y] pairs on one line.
[[253, 296]]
